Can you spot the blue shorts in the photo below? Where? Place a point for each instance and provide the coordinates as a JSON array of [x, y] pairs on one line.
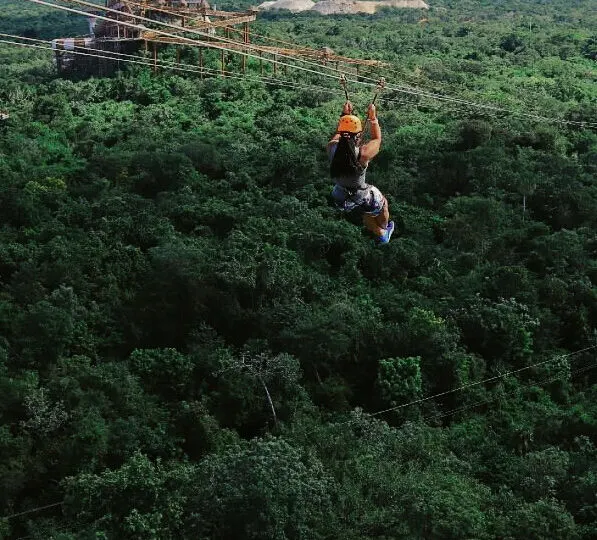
[[367, 201]]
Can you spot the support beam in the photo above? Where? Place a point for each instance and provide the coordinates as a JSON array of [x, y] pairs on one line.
[[192, 13], [219, 24], [246, 41], [155, 57], [239, 46]]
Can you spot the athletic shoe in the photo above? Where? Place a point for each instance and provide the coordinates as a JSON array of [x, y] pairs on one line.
[[387, 234]]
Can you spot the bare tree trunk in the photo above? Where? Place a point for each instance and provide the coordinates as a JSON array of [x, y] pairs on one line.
[[269, 399], [318, 377], [524, 206]]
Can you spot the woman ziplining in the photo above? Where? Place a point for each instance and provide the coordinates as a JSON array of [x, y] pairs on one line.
[[349, 159]]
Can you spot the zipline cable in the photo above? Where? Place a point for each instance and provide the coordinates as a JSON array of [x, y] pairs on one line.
[[38, 509], [319, 66], [183, 39], [433, 95], [434, 416], [478, 383], [302, 68], [170, 66], [148, 64], [193, 69], [394, 86], [190, 15], [198, 32], [176, 66], [377, 413], [495, 398], [151, 63], [441, 394]]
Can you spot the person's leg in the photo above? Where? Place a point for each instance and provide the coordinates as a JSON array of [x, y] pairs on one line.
[[383, 217], [378, 222], [377, 215], [371, 223]]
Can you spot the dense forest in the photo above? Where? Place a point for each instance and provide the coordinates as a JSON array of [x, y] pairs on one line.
[[194, 344]]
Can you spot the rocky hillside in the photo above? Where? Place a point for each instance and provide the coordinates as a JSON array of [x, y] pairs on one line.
[[332, 7]]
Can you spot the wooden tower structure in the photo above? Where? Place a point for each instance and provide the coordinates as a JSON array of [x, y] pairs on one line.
[[118, 29]]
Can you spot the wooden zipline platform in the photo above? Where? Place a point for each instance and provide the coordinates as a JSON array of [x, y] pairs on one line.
[[119, 31]]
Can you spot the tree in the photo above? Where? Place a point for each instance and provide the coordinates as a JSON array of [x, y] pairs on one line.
[[399, 380], [264, 368], [164, 371], [512, 43], [261, 490]]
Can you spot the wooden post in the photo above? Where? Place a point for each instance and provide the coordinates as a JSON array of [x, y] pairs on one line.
[[177, 56], [155, 57], [227, 36], [246, 40], [275, 65], [201, 63], [261, 62], [99, 63]]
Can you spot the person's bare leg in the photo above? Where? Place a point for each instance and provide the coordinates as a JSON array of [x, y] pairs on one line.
[[371, 223], [378, 224], [383, 217]]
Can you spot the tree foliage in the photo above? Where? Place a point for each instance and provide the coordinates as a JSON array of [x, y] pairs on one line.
[[193, 344]]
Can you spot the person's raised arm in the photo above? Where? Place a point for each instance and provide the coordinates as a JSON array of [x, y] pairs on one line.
[[371, 148]]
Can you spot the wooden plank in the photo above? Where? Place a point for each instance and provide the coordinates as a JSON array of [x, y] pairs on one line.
[[189, 12], [218, 13], [240, 47], [203, 25], [219, 24], [209, 12], [155, 57]]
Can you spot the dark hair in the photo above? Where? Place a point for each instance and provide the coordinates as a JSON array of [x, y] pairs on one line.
[[346, 158]]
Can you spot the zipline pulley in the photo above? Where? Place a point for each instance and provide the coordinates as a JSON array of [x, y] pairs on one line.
[[378, 89], [381, 84], [343, 83]]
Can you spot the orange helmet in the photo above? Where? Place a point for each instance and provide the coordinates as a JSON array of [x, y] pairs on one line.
[[350, 123]]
